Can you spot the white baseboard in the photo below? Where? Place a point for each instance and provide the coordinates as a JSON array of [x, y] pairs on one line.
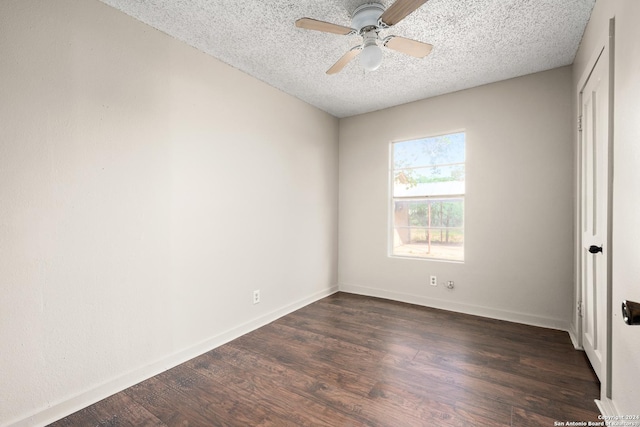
[[574, 338], [481, 311], [607, 408], [82, 400]]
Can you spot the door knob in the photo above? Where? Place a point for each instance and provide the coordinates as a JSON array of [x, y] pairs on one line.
[[631, 312], [595, 249]]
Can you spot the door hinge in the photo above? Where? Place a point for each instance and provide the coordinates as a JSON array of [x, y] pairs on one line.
[[579, 123], [580, 308]]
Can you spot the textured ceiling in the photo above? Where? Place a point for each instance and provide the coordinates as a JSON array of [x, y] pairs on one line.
[[475, 42]]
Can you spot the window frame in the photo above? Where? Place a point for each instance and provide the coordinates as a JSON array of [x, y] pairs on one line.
[[392, 199]]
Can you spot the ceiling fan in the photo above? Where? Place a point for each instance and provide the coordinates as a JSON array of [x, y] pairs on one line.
[[367, 21]]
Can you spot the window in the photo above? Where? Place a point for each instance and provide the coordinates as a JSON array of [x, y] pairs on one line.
[[427, 201]]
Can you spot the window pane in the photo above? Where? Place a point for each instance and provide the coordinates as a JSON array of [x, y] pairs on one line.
[[447, 213], [430, 181], [443, 149], [429, 228]]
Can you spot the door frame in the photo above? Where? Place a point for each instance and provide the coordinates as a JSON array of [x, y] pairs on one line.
[[604, 51]]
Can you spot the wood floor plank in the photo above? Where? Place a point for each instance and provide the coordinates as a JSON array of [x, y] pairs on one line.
[[116, 410], [297, 376], [470, 331], [315, 380], [213, 397], [352, 332], [527, 418], [86, 416], [302, 352], [349, 380], [247, 377], [172, 406], [508, 375], [431, 409], [350, 360]]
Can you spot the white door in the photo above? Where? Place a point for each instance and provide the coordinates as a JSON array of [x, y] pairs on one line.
[[594, 188], [625, 378]]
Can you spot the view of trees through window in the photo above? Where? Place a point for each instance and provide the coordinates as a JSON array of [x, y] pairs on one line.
[[428, 197]]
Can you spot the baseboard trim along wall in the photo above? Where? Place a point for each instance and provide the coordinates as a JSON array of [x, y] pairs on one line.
[[574, 338], [61, 409], [608, 409], [492, 313]]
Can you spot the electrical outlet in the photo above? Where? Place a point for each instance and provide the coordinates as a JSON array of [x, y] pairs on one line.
[[256, 296], [450, 284], [433, 281]]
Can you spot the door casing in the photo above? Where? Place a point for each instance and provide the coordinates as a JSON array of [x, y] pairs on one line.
[[604, 52]]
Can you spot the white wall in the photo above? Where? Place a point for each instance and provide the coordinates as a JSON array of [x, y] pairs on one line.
[[518, 206], [146, 190], [626, 192]]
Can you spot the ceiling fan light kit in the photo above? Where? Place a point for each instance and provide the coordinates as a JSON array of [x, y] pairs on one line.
[[367, 21], [371, 55]]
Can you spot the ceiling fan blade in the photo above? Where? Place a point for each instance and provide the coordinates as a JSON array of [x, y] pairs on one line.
[[408, 46], [399, 10], [346, 58], [326, 27]]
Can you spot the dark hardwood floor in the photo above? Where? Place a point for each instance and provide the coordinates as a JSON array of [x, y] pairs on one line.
[[349, 360]]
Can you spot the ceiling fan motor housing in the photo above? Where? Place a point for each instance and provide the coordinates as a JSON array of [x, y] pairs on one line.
[[365, 17]]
